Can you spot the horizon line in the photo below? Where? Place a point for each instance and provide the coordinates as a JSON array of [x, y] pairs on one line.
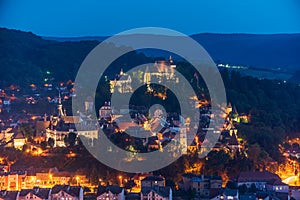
[[193, 34]]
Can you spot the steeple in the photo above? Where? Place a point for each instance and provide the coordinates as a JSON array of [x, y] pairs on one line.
[[170, 59], [59, 106], [121, 72]]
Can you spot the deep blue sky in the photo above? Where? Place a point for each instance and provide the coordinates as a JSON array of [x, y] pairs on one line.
[[108, 17]]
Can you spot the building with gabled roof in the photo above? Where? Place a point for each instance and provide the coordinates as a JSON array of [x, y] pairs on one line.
[[259, 179], [152, 181], [9, 195], [156, 193], [60, 192], [19, 140], [111, 192]]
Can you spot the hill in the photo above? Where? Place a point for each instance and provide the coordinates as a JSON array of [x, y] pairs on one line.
[[26, 57], [270, 51]]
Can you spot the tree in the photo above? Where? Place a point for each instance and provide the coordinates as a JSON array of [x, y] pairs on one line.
[[252, 188], [70, 139], [129, 185], [243, 189], [51, 142], [25, 147], [216, 161], [44, 145], [94, 178], [231, 185], [27, 131]]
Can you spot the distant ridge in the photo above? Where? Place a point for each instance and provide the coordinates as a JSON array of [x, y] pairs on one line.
[[25, 57], [270, 51], [76, 39]]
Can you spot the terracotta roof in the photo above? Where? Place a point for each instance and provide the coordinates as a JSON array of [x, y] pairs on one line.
[[19, 135], [71, 119], [125, 125]]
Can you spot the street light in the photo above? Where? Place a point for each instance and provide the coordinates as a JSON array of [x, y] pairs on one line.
[[120, 178]]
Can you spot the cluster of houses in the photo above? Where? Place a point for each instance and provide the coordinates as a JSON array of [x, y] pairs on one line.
[[39, 177], [152, 188], [58, 192], [245, 186], [262, 185]]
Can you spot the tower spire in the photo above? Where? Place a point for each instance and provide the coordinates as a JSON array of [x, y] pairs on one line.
[[171, 59], [59, 106]]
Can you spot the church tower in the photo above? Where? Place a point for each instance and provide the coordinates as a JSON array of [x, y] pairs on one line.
[[59, 107]]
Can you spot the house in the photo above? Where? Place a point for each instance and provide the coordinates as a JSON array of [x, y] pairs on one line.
[[151, 181], [277, 186], [259, 179], [202, 185], [19, 141], [111, 192], [295, 192], [42, 193], [12, 180], [35, 193], [156, 193], [25, 194], [9, 195], [7, 134], [121, 83], [62, 192], [4, 165], [105, 111]]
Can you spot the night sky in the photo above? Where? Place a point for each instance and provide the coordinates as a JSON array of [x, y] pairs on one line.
[[107, 17]]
